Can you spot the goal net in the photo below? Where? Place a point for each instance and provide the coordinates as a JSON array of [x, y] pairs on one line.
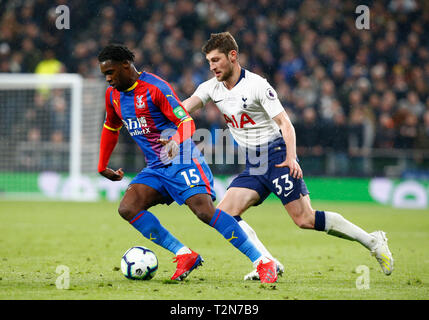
[[49, 129]]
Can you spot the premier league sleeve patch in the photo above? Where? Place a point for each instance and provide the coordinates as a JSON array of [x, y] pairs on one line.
[[271, 94]]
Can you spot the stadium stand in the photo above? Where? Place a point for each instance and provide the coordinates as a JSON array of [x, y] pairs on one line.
[[352, 94]]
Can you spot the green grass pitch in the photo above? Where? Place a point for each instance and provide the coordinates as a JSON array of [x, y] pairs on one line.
[[90, 238]]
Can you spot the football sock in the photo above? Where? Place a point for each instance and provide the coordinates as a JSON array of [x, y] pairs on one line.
[[263, 259], [150, 227], [231, 230], [183, 250], [253, 237], [334, 224]]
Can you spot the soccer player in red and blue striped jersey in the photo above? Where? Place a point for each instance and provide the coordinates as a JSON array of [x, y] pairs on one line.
[[176, 171]]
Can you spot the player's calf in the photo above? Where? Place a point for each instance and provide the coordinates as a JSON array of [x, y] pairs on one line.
[[304, 222], [202, 206], [303, 219], [301, 212]]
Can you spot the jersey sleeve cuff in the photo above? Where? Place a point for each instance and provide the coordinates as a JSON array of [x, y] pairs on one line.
[[112, 129]]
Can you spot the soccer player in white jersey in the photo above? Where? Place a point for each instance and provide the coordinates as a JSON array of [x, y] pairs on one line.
[[256, 118]]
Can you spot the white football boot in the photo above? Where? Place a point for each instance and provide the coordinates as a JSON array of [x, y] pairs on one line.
[[382, 253], [255, 276]]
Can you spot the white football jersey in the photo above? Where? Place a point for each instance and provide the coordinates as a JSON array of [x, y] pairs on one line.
[[248, 108]]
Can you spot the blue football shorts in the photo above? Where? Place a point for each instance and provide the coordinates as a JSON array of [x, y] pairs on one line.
[[178, 182], [273, 179]]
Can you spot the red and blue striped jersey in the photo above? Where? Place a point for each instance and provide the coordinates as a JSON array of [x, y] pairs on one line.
[[146, 109]]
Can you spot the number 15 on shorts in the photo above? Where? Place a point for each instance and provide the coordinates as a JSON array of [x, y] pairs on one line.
[[288, 185], [190, 177]]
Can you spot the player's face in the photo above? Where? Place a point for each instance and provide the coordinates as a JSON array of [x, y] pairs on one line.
[[220, 64], [115, 74]]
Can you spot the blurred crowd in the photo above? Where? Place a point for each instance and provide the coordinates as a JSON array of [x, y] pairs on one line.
[[345, 89]]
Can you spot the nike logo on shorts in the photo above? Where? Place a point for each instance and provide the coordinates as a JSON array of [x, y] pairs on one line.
[[288, 193]]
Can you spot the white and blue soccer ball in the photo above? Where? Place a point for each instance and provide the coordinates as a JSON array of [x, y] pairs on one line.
[[139, 263]]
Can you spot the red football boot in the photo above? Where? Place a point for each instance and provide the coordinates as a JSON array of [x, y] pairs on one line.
[[267, 271], [185, 264]]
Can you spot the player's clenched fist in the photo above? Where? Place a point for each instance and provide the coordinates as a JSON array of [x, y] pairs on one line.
[[112, 174]]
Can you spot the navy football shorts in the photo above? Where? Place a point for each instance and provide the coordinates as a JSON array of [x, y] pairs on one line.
[[276, 180]]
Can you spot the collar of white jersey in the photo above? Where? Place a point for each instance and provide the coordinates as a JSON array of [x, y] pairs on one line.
[[242, 75]]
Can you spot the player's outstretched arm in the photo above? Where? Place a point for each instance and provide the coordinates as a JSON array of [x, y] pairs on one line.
[[192, 104], [289, 137], [108, 141]]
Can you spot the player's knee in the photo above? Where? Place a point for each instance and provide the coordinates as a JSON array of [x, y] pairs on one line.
[[126, 212], [128, 209]]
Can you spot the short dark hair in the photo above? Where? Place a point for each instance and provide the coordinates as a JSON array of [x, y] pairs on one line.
[[116, 52], [223, 41]]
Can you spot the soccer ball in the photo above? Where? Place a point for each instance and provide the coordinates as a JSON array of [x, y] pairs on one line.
[[139, 263]]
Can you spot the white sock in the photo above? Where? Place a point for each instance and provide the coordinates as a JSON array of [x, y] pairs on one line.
[[183, 250], [252, 236], [337, 225], [263, 259]]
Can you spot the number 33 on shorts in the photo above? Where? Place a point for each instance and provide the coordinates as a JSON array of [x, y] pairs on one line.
[[287, 185]]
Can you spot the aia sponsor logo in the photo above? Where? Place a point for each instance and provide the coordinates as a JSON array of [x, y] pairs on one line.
[[244, 119]]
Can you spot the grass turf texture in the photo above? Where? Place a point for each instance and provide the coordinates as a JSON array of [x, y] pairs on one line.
[[90, 239]]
